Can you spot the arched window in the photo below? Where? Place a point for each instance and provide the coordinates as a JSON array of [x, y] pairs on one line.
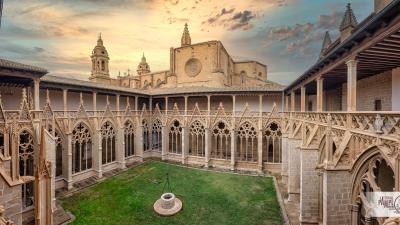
[[82, 148], [197, 139], [156, 136], [243, 77], [107, 143], [221, 142], [146, 136], [246, 148], [175, 138], [59, 155], [26, 166], [272, 143], [103, 65], [129, 133], [375, 176]]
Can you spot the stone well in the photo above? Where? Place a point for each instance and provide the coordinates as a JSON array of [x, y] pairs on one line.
[[167, 205]]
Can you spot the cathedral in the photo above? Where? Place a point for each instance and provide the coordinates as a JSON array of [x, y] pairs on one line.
[[206, 64], [328, 138]]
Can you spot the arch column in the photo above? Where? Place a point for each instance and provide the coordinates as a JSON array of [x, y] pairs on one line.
[[139, 144], [309, 193], [185, 144], [207, 138], [97, 152], [233, 133], [260, 136], [165, 142], [294, 169], [68, 166], [120, 147]]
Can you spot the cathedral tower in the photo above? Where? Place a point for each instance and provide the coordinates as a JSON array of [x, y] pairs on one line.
[[100, 59], [186, 41], [143, 66], [348, 23]]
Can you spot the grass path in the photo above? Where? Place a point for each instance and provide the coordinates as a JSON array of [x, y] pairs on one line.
[[209, 198]]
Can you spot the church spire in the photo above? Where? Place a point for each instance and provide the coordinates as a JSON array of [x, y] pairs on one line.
[[99, 41], [349, 19], [325, 44], [185, 41], [348, 23]]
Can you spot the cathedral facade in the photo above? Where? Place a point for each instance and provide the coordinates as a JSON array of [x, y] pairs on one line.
[[206, 64], [329, 137]]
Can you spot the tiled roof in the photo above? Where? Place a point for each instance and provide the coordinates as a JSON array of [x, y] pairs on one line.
[[87, 84], [62, 81], [270, 87], [19, 66]]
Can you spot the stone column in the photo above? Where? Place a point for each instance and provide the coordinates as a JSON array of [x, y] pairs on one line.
[[286, 103], [36, 93], [303, 99], [336, 197], [185, 135], [292, 101], [151, 104], [320, 94], [285, 156], [120, 147], [165, 142], [260, 135], [68, 167], [207, 149], [136, 103], [309, 192], [97, 150], [117, 104], [166, 105], [351, 85], [294, 169], [95, 103], [65, 101], [233, 133], [139, 142]]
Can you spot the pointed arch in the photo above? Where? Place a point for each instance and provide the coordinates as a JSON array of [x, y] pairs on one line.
[[129, 135], [146, 135], [156, 135], [108, 135], [272, 142], [82, 147], [246, 147], [220, 141], [197, 138], [26, 161], [175, 137], [372, 172]]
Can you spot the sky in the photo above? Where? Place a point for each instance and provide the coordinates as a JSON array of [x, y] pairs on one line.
[[59, 35]]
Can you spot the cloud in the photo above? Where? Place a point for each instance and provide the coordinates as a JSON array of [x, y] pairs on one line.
[[215, 18], [242, 20], [331, 21]]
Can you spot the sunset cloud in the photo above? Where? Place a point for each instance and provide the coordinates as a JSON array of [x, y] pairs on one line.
[[60, 34]]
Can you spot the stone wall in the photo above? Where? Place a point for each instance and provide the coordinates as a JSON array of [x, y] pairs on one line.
[[336, 197], [11, 199], [309, 191], [378, 87]]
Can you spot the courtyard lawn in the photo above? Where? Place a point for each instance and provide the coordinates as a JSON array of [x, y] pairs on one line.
[[209, 198]]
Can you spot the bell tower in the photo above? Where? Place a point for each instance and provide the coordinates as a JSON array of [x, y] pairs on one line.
[[100, 60], [143, 66], [186, 40]]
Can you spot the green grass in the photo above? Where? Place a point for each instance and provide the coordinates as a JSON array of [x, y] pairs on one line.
[[209, 198]]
